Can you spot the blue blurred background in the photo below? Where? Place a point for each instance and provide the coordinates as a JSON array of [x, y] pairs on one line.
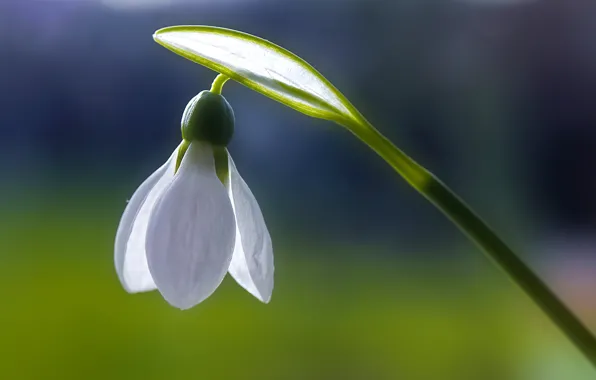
[[496, 97]]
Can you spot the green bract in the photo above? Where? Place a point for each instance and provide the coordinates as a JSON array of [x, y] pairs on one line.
[[283, 76], [262, 66]]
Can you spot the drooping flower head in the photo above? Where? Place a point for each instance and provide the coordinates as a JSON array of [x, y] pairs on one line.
[[195, 219]]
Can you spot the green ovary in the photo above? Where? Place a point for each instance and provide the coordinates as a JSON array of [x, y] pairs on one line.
[[208, 117]]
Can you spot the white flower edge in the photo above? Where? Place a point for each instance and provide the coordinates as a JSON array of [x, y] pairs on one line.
[[252, 263], [129, 249]]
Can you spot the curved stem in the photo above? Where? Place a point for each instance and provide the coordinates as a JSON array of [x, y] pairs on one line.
[[218, 83], [481, 234]]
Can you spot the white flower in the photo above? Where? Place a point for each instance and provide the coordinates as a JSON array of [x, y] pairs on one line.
[[182, 232]]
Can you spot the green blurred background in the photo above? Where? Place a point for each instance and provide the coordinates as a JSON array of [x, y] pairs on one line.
[[496, 97]]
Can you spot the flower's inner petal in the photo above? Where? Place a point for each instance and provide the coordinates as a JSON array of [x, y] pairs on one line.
[[252, 264], [191, 233], [135, 273]]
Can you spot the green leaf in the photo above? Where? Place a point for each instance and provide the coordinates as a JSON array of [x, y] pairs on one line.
[[283, 76], [262, 66]]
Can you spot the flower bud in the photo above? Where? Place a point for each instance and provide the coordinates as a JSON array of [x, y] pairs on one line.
[[208, 117]]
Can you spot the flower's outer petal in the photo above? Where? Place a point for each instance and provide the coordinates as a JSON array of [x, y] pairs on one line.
[[252, 263], [191, 232], [129, 250]]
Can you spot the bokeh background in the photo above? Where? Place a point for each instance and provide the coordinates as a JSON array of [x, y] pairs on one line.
[[496, 97]]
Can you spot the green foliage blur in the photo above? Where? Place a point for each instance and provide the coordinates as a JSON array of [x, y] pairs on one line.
[[495, 97], [338, 312]]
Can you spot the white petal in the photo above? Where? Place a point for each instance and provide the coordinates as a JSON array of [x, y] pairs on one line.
[[129, 252], [252, 263], [191, 233]]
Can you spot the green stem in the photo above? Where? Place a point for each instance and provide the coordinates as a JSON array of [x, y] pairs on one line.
[[218, 83], [479, 232]]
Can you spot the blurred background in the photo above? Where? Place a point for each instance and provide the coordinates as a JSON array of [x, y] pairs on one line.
[[496, 97]]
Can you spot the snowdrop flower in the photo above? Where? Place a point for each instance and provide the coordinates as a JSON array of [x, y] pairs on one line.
[[195, 219]]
